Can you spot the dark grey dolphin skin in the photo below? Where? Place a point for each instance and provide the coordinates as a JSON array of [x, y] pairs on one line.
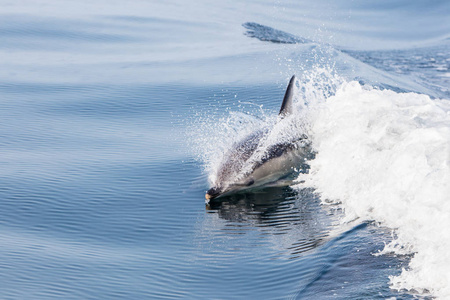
[[241, 169]]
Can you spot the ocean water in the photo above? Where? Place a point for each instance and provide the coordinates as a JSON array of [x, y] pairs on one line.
[[114, 116]]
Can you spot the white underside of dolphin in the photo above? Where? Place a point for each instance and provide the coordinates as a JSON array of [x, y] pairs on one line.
[[254, 162]]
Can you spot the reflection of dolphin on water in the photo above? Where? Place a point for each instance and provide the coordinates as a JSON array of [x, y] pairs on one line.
[[256, 161], [293, 220]]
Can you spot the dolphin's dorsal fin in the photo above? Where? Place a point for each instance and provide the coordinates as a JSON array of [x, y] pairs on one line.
[[287, 106]]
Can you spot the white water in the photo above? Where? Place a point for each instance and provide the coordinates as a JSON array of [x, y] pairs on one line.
[[386, 157]]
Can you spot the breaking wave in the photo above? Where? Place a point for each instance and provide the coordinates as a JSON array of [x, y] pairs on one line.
[[385, 156]]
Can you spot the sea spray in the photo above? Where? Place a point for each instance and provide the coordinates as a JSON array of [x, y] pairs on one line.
[[211, 135], [386, 157]]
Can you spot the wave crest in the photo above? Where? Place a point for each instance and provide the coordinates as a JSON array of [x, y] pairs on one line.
[[386, 157]]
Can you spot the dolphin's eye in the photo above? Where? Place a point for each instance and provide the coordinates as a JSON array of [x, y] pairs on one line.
[[250, 182]]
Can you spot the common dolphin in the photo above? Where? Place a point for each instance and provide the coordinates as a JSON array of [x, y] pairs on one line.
[[254, 161]]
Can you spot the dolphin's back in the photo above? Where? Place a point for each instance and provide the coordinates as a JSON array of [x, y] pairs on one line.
[[235, 159], [278, 149]]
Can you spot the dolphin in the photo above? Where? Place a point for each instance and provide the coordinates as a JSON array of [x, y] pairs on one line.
[[254, 162]]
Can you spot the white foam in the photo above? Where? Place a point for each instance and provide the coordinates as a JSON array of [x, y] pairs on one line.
[[386, 157]]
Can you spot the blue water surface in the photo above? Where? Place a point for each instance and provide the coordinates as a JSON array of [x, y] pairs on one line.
[[100, 200], [101, 196]]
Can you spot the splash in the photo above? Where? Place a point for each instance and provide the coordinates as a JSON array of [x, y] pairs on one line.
[[386, 157], [215, 139], [212, 137]]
